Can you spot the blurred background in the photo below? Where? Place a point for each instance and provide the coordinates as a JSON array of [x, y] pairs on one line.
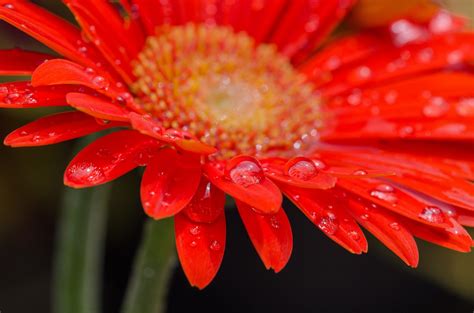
[[321, 276]]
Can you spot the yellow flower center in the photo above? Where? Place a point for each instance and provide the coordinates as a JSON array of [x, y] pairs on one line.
[[229, 92]]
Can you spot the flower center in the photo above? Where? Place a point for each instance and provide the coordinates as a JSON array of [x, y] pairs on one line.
[[226, 90]]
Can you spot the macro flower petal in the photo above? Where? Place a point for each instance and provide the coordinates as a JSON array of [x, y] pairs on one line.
[[169, 183], [21, 62], [55, 128], [244, 180], [97, 107], [109, 157], [200, 248], [270, 234], [324, 211]]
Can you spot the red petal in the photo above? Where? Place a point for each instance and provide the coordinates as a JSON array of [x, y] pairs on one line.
[[305, 173], [270, 234], [63, 72], [169, 183], [109, 157], [455, 238], [97, 107], [119, 42], [387, 228], [51, 30], [18, 95], [55, 128], [20, 62], [413, 172], [392, 198], [153, 14], [147, 126], [200, 248], [249, 184], [325, 211], [305, 24], [443, 51], [207, 204]]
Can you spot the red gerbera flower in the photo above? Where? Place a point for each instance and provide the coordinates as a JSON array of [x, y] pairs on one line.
[[227, 97]]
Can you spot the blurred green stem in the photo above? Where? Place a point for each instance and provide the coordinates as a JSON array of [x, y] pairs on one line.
[[148, 285], [80, 249]]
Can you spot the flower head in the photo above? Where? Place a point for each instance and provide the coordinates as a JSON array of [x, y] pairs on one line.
[[375, 129]]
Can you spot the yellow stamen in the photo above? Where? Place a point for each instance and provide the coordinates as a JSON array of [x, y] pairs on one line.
[[225, 89]]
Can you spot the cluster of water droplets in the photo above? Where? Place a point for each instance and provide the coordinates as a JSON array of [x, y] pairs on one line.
[[196, 232]]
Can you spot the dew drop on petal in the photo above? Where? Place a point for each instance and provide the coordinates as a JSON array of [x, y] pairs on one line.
[[302, 169], [86, 173], [365, 217], [215, 245], [246, 173], [328, 225], [354, 235], [436, 107], [465, 107], [394, 226], [384, 188], [100, 82], [385, 193], [195, 230], [359, 173], [432, 214], [274, 222], [193, 244]]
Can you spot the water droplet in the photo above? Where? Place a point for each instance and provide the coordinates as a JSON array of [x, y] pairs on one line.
[[215, 245], [391, 97], [13, 96], [394, 226], [425, 55], [365, 217], [312, 24], [193, 244], [385, 193], [24, 133], [36, 138], [432, 214], [442, 22], [328, 226], [246, 173], [85, 173], [9, 6], [406, 131], [274, 222], [100, 82], [89, 70], [354, 235], [455, 57], [359, 173], [465, 107], [320, 165], [195, 230], [82, 49], [436, 107], [384, 188], [301, 168]]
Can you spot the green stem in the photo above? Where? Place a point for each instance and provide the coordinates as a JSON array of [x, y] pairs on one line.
[[148, 285], [80, 248], [80, 245]]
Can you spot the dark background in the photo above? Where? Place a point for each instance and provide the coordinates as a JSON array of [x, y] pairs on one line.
[[320, 277]]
